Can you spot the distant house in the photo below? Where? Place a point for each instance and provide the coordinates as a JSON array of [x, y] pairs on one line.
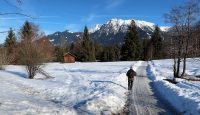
[[69, 58]]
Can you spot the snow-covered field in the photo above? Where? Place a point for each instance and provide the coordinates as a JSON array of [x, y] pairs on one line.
[[91, 88], [185, 95], [86, 88]]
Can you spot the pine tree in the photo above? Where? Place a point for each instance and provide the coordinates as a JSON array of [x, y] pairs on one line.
[[117, 52], [146, 49], [27, 32], [138, 44], [92, 52], [59, 54], [105, 54], [72, 48], [88, 50], [156, 41], [10, 42], [98, 51], [131, 49]]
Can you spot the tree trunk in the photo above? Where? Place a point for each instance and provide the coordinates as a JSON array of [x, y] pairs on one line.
[[179, 57]]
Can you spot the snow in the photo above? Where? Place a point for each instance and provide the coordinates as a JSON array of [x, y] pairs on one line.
[[143, 24], [120, 24], [117, 23], [185, 95], [97, 27], [77, 88], [165, 28], [52, 40], [91, 88]]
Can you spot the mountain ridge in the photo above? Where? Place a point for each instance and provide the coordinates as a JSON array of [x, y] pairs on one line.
[[111, 32]]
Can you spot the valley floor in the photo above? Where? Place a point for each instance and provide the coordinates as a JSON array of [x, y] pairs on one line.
[[98, 88], [79, 88]]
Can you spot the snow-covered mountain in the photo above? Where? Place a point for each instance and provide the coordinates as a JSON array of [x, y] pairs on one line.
[[112, 32], [164, 28], [116, 25], [97, 27], [69, 37]]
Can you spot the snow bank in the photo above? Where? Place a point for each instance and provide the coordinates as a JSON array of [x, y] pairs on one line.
[[184, 96]]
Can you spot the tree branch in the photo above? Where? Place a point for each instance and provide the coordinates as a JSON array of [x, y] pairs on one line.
[[18, 14], [11, 4]]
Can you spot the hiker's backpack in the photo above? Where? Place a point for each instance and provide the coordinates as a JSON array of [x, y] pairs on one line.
[[131, 73]]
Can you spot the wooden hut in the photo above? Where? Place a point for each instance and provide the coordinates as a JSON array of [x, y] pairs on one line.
[[69, 58]]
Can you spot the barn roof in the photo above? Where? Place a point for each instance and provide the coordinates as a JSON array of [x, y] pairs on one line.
[[68, 53]]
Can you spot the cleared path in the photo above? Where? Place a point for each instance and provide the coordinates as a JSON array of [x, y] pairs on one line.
[[143, 99]]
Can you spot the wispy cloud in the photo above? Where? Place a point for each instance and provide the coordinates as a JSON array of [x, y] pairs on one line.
[[93, 16], [127, 16], [110, 4], [90, 17], [13, 18], [47, 22], [21, 17], [73, 27], [53, 16], [47, 32]]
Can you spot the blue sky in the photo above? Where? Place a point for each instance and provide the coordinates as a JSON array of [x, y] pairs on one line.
[[73, 15]]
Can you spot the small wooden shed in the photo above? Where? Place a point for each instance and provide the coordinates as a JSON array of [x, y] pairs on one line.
[[69, 58]]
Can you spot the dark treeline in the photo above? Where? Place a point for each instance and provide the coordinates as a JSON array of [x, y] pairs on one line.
[[157, 46], [133, 47]]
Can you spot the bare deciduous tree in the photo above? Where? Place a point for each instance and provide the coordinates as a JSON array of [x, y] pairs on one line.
[[182, 18], [30, 51], [4, 59]]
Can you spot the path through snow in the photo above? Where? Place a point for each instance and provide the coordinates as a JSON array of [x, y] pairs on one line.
[[143, 99]]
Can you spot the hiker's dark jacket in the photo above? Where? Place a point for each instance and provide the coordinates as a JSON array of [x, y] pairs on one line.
[[130, 74]]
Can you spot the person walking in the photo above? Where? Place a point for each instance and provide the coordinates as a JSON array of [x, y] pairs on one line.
[[130, 74]]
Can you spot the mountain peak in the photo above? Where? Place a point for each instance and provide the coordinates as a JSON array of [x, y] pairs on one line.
[[164, 28], [119, 22], [116, 25], [97, 27]]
